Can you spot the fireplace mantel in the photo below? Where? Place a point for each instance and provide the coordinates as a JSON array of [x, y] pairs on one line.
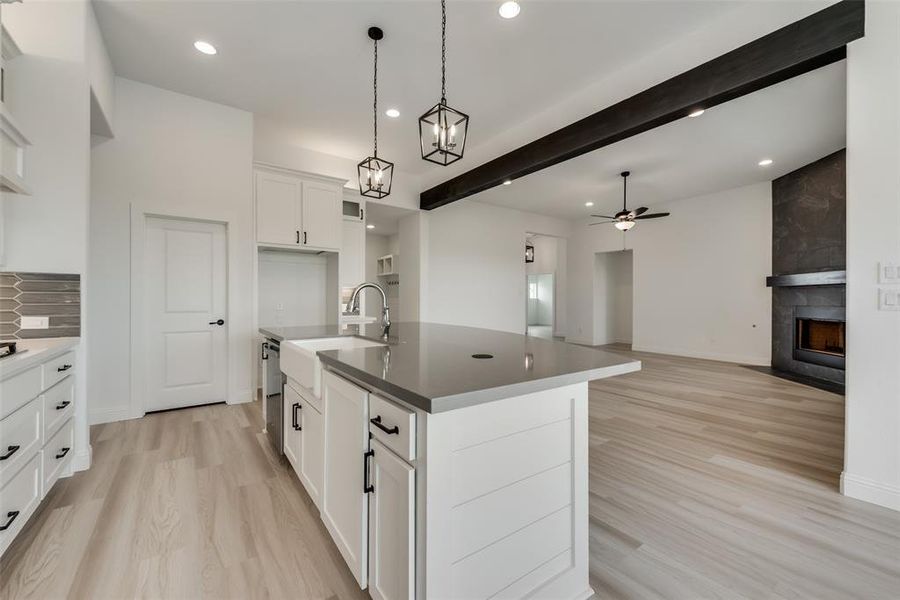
[[807, 279]]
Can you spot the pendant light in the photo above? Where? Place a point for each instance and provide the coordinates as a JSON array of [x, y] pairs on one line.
[[442, 130], [375, 174]]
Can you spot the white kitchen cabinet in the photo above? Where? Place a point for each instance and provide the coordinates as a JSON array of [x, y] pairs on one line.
[[345, 499], [293, 426], [312, 453], [297, 210], [392, 517], [353, 254]]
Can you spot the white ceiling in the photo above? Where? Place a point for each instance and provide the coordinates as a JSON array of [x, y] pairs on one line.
[[793, 123], [384, 217], [308, 64]]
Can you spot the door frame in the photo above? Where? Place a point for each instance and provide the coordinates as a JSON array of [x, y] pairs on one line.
[[138, 341], [553, 301]]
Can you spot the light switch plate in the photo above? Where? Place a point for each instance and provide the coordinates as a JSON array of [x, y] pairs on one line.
[[34, 323], [888, 299], [889, 273]]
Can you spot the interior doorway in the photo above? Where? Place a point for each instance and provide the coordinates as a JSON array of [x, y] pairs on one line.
[[540, 310], [613, 297]]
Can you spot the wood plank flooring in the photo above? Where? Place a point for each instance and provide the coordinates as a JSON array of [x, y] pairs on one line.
[[708, 480]]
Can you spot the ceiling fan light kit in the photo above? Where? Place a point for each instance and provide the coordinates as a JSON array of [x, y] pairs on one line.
[[626, 219], [375, 174], [442, 129]]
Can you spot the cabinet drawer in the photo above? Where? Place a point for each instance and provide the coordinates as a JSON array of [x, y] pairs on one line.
[[20, 438], [58, 406], [57, 454], [393, 426], [19, 390], [58, 368], [18, 499], [307, 394]]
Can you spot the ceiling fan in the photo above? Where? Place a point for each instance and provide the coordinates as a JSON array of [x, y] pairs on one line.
[[626, 219]]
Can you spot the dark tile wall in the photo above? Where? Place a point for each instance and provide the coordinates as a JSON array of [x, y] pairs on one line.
[[53, 295], [808, 235]]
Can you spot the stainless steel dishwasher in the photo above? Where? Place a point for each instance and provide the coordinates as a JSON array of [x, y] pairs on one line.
[[273, 390]]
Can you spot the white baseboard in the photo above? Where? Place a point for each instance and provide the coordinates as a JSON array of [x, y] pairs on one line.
[[109, 415], [82, 459], [762, 361], [869, 490], [241, 397]]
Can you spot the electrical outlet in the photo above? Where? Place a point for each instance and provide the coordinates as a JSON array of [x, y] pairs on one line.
[[34, 323], [889, 273], [888, 299]]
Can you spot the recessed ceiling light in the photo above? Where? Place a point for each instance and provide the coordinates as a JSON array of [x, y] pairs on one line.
[[370, 226], [507, 182], [392, 113], [696, 113], [205, 47], [588, 203], [765, 162], [510, 9]]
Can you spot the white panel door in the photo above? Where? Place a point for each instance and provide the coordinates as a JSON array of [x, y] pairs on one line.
[[185, 295], [344, 502], [278, 209], [322, 218], [392, 517]]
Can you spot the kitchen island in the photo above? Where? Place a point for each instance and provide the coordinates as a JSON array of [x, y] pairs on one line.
[[453, 460]]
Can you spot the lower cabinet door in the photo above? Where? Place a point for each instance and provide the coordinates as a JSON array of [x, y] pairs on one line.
[[392, 519], [345, 509], [312, 453], [293, 426]]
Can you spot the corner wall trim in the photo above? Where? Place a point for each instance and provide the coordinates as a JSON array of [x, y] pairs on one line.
[[869, 490], [805, 45]]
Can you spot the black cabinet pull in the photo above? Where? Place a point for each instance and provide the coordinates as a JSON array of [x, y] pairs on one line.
[[362, 214], [62, 452], [389, 430], [62, 405], [304, 237], [10, 517], [63, 368], [298, 236], [367, 487], [10, 450], [294, 422]]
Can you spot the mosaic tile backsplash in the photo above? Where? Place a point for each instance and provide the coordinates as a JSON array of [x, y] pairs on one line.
[[53, 295]]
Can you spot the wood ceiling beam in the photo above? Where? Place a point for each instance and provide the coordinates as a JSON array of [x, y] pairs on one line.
[[805, 45]]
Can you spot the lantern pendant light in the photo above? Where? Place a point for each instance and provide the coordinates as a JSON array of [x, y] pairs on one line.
[[375, 174], [442, 130]]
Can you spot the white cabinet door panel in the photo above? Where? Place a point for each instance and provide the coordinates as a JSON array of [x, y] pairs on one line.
[[278, 209], [312, 455], [321, 217], [392, 520], [293, 427]]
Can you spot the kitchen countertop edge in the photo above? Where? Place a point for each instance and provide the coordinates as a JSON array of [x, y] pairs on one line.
[[39, 350]]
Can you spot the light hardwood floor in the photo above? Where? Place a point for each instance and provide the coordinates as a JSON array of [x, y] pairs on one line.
[[708, 480]]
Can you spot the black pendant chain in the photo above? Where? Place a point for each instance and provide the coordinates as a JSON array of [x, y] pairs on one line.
[[443, 52], [375, 103]]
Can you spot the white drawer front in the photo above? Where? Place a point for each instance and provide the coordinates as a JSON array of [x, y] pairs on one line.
[[59, 406], [18, 499], [57, 454], [305, 393], [393, 426], [58, 368], [19, 390], [20, 439]]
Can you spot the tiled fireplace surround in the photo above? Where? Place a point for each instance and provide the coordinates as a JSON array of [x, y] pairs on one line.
[[808, 236], [54, 295]]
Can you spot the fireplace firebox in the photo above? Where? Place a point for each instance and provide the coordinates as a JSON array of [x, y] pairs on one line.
[[820, 335]]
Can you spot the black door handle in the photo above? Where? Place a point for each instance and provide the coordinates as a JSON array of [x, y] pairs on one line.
[[220, 322], [367, 487], [10, 450], [63, 368], [294, 422], [10, 517], [62, 405], [62, 452], [389, 430]]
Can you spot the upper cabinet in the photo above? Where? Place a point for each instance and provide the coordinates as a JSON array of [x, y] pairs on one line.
[[297, 210], [12, 140]]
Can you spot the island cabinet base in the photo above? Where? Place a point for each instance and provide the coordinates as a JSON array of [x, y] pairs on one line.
[[503, 490]]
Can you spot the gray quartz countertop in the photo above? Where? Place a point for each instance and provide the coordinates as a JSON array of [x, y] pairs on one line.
[[432, 367]]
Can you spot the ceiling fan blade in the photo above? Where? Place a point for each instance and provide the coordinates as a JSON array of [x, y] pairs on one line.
[[602, 217], [601, 223], [639, 211], [653, 216]]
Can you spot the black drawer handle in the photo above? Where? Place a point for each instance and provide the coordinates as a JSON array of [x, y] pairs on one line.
[[10, 450], [62, 453], [294, 420], [367, 487], [10, 517], [62, 405], [389, 430], [63, 368]]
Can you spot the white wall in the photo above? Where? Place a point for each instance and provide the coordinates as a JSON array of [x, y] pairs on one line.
[[376, 245], [613, 298], [475, 270], [292, 289], [101, 76], [872, 440], [173, 155], [699, 277]]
